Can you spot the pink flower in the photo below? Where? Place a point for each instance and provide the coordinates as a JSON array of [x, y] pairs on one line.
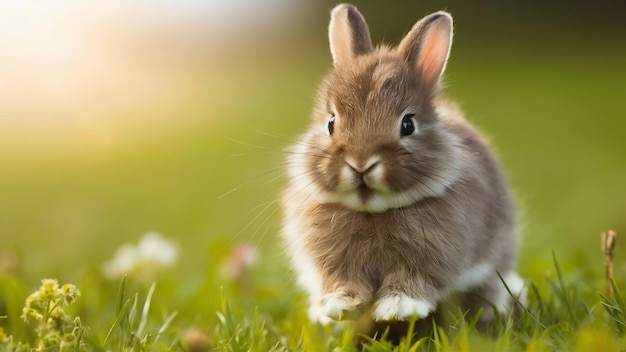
[[242, 257]]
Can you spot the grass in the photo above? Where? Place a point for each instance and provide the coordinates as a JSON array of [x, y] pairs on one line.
[[557, 318], [211, 187]]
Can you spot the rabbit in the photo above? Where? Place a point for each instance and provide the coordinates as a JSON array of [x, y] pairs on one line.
[[393, 200]]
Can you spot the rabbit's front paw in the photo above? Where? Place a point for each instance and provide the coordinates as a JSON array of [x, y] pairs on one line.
[[401, 307], [334, 305]]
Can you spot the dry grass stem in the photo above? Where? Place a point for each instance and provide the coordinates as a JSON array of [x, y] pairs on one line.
[[609, 240]]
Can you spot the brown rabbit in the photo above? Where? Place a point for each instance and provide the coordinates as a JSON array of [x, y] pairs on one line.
[[394, 200]]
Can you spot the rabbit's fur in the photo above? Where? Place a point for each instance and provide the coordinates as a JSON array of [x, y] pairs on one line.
[[373, 219]]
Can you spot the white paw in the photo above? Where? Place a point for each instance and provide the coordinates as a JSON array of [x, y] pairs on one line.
[[401, 307], [315, 315], [517, 286], [334, 305]]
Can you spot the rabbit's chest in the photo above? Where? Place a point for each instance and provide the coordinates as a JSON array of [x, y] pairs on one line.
[[371, 241]]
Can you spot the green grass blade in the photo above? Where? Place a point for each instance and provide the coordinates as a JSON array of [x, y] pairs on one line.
[[418, 344], [120, 296], [517, 301], [118, 318], [144, 313], [442, 343], [165, 325], [615, 308], [618, 296], [539, 300], [562, 291], [132, 313]]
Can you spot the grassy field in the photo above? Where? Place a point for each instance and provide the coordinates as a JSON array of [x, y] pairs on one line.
[[209, 184]]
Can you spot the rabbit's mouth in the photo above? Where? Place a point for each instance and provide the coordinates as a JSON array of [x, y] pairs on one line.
[[364, 191]]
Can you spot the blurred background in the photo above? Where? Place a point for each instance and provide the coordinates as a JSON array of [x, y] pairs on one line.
[[123, 118]]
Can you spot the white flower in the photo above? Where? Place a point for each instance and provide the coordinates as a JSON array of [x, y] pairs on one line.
[[154, 248], [152, 254]]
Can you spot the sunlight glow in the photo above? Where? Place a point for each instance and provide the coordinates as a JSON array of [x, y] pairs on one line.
[[81, 70]]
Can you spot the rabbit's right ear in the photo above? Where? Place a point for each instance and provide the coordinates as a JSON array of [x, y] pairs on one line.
[[348, 34], [427, 46]]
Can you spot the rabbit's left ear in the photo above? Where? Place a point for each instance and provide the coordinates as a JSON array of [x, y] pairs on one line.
[[348, 34], [427, 46]]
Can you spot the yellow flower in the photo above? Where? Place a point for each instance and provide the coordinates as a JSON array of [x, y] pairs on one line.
[[49, 289], [70, 293]]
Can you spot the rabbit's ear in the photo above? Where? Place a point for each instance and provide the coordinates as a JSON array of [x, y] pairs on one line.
[[348, 34], [427, 46]]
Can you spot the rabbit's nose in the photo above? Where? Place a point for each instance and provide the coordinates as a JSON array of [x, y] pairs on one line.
[[362, 168]]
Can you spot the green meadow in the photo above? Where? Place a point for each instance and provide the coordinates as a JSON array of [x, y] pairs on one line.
[[204, 169]]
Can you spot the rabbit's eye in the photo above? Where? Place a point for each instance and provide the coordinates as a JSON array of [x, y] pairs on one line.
[[408, 125], [331, 124]]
